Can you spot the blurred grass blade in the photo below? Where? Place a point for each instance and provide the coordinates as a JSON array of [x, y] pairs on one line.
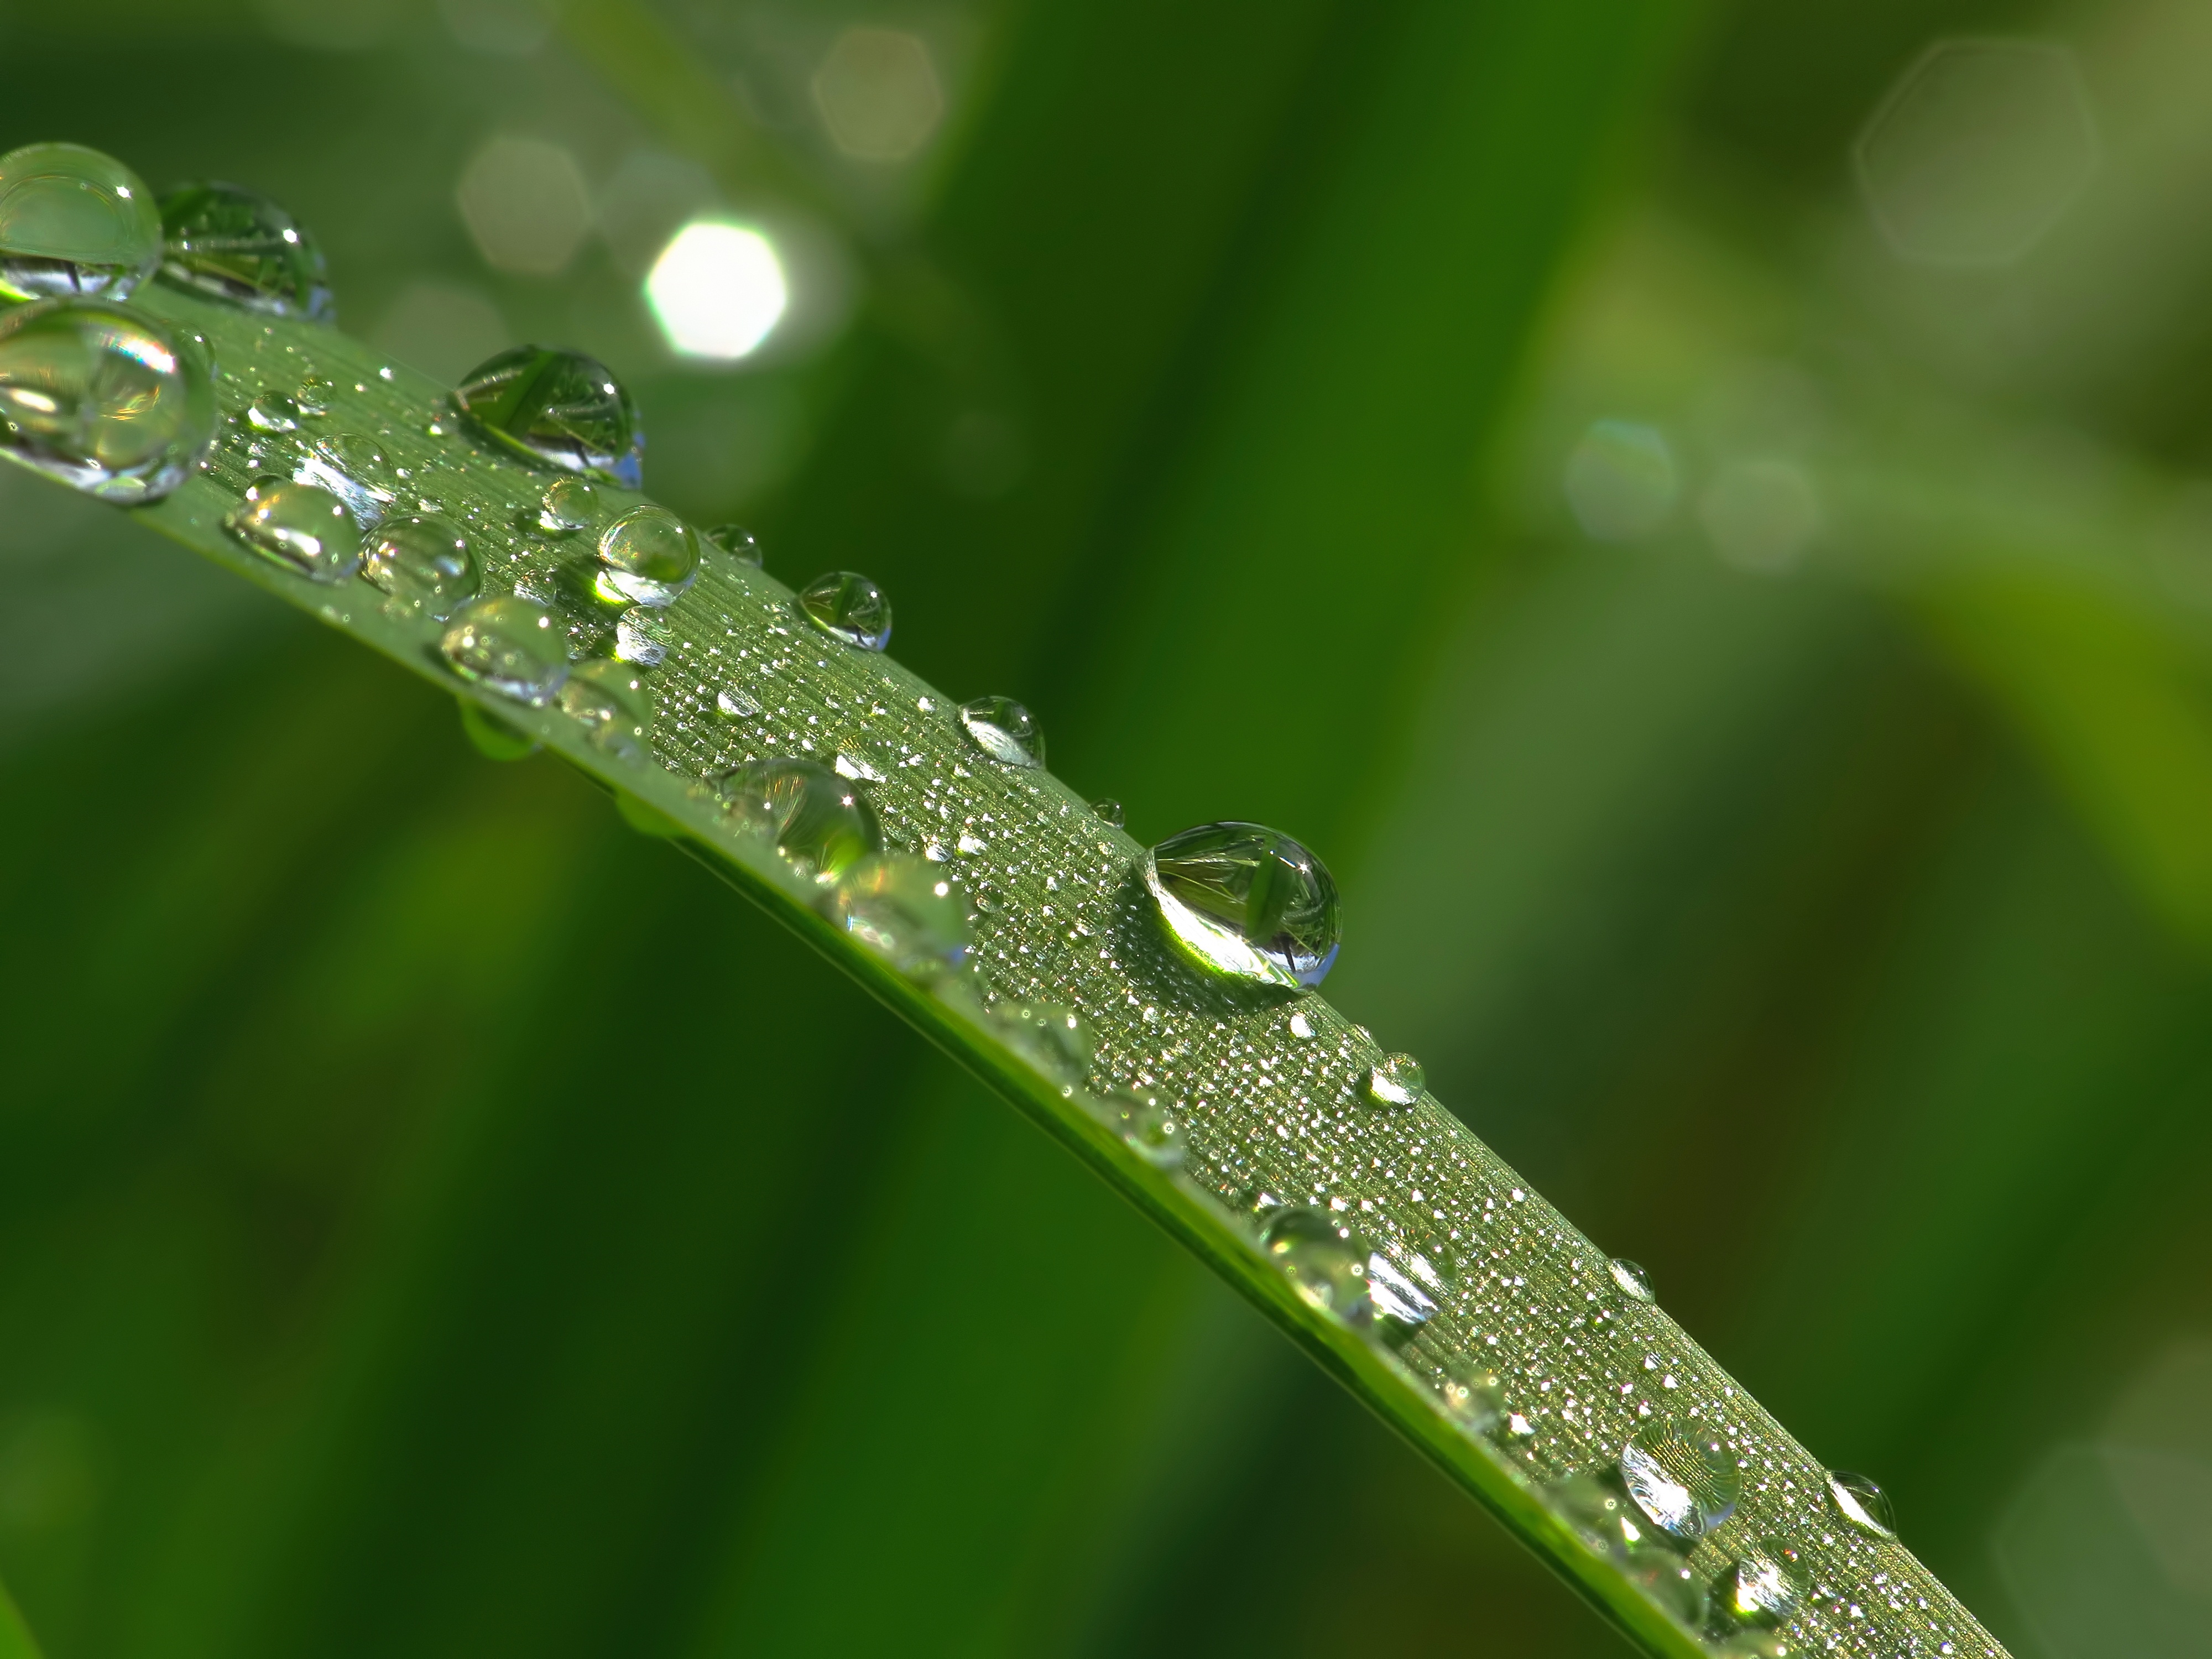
[[16, 1638]]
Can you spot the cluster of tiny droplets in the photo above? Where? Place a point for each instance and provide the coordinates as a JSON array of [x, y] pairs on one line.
[[1271, 1087]]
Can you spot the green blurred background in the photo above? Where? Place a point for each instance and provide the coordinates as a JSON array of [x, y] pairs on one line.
[[436, 1221]]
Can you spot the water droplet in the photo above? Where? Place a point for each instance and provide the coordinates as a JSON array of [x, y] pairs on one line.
[[1471, 1393], [1056, 1042], [74, 223], [1669, 1580], [559, 407], [240, 246], [969, 846], [570, 504], [424, 561], [313, 397], [1764, 1584], [642, 635], [647, 557], [906, 910], [1401, 1307], [610, 701], [1004, 730], [103, 397], [492, 737], [509, 645], [1396, 1080], [299, 526], [1634, 1282], [1245, 900], [1301, 1028], [1149, 1123], [732, 704], [1322, 1257], [273, 411], [1107, 811], [1681, 1476], [739, 542], [1594, 1505], [1862, 1503], [849, 606], [852, 763], [352, 466], [822, 824]]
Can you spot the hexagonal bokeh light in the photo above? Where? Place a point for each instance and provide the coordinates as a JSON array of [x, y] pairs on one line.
[[526, 205], [1978, 151], [878, 94], [717, 290]]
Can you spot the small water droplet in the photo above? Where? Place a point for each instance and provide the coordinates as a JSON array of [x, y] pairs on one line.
[[1247, 901], [1301, 1028], [570, 504], [273, 411], [1471, 1394], [312, 397], [1107, 811], [969, 845], [1056, 1042], [559, 407], [352, 466], [847, 605], [1597, 1507], [1396, 1080], [821, 824], [1324, 1257], [1401, 1307], [1669, 1580], [739, 542], [1765, 1583], [1862, 1503], [103, 397], [492, 737], [75, 222], [422, 560], [1681, 1476], [508, 645], [1004, 730], [1634, 1282], [610, 701], [907, 911], [642, 635], [852, 763], [1148, 1123], [299, 526], [646, 557], [732, 704], [240, 245]]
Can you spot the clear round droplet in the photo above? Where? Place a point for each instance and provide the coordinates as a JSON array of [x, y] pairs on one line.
[[1396, 1080], [610, 701], [734, 705], [1149, 1124], [1324, 1257], [1599, 1512], [1107, 811], [907, 911], [1764, 1584], [103, 397], [1630, 1276], [1004, 730], [1861, 1501], [313, 397], [1056, 1042], [509, 645], [848, 606], [1401, 1307], [821, 824], [1471, 1394], [423, 560], [739, 542], [238, 245], [1681, 1476], [273, 411], [74, 223], [642, 635], [299, 526], [647, 557], [1302, 1027], [570, 504], [354, 467], [1246, 901], [559, 407]]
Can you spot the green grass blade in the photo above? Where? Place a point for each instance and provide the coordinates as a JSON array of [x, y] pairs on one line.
[[16, 1641]]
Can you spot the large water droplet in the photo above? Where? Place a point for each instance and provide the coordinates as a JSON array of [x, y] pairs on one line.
[[354, 467], [847, 605], [1681, 1476], [1471, 1393], [647, 557], [821, 824], [570, 504], [1765, 1583], [1598, 1509], [299, 526], [240, 246], [1634, 1282], [734, 705], [1401, 1307], [1324, 1257], [512, 645], [1149, 1123], [559, 407], [1056, 1042], [1247, 901], [1396, 1080], [423, 561], [74, 222], [642, 635], [739, 542], [103, 397], [1861, 1502], [907, 911], [610, 701], [1004, 730], [1670, 1581]]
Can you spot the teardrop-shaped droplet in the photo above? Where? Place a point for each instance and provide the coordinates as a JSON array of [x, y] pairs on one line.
[[642, 635], [273, 411], [103, 397], [299, 526], [847, 605], [857, 763], [1323, 1258], [1630, 1276], [908, 911], [1148, 1123], [1056, 1042], [1401, 1306], [240, 246], [1764, 1584], [739, 542], [647, 557], [570, 504], [559, 407], [1683, 1476], [1471, 1393], [610, 701], [1004, 730], [74, 222], [1247, 901], [1860, 1500], [509, 645], [734, 705], [1396, 1080], [821, 824], [422, 560], [1107, 811]]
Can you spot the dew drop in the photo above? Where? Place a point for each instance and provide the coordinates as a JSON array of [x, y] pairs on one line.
[[1396, 1080], [238, 245], [1862, 1503], [1664, 1576], [1634, 1282], [570, 504], [907, 911], [642, 635], [1004, 730], [821, 824], [74, 223], [734, 705], [273, 411], [646, 557], [422, 560], [1681, 1476], [1301, 1028], [852, 763], [1471, 1394], [610, 701], [1764, 1584], [847, 605], [1322, 1257], [1107, 811], [508, 645], [313, 397], [354, 467], [1056, 1042], [1246, 901], [1149, 1124], [1401, 1307], [739, 542], [559, 407], [103, 397], [298, 525]]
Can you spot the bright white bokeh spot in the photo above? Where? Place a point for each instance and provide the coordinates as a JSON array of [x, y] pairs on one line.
[[717, 290]]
